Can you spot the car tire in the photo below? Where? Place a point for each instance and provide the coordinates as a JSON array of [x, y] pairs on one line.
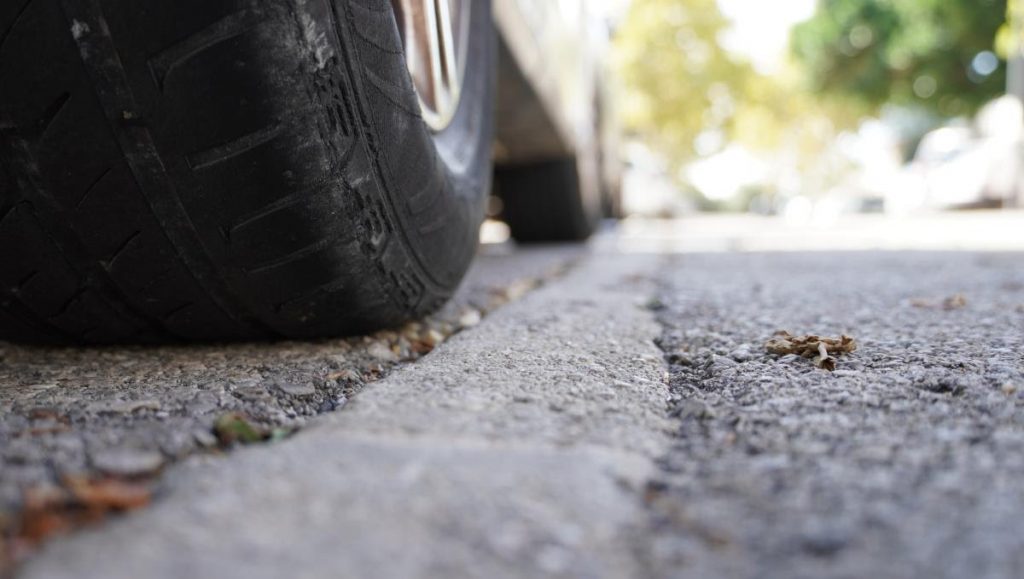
[[545, 202], [228, 169]]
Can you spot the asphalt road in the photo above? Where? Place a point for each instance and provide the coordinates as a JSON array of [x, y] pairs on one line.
[[906, 461], [621, 419]]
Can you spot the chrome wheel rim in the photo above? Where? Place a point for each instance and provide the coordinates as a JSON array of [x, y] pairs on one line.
[[435, 37]]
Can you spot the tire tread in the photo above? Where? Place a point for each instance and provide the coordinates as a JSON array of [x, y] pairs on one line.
[[132, 244]]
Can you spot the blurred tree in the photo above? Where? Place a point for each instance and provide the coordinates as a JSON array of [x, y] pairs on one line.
[[688, 96], [680, 82], [1010, 46], [936, 54]]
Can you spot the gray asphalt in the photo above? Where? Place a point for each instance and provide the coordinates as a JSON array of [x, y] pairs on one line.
[[625, 420], [907, 461]]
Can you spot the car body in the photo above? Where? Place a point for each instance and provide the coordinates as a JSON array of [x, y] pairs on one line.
[[554, 95], [966, 165]]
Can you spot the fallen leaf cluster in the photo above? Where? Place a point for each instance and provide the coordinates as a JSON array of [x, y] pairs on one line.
[[820, 350], [50, 510]]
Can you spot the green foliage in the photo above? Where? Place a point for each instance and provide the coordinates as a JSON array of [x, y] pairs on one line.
[[680, 80], [906, 52], [681, 83], [863, 54]]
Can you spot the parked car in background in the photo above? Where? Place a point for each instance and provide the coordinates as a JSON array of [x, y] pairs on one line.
[[556, 146], [248, 169], [963, 166]]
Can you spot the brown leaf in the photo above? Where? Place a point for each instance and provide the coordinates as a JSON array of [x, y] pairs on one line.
[[43, 513], [51, 510], [346, 375], [108, 494], [422, 348], [811, 346], [826, 364], [45, 420], [44, 430], [953, 302], [47, 413], [783, 343], [823, 360]]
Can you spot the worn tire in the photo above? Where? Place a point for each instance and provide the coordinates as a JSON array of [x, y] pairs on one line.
[[545, 202], [227, 169]]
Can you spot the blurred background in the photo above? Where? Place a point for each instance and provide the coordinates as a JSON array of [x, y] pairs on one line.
[[810, 110]]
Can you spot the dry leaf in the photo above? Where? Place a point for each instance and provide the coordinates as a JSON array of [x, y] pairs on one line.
[[46, 421], [50, 510], [46, 413], [821, 350], [346, 375], [53, 509], [823, 360], [108, 494], [953, 302]]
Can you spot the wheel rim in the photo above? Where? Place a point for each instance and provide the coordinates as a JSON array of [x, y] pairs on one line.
[[434, 34]]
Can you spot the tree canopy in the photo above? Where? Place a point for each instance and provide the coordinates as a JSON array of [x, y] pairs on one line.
[[680, 80], [935, 54], [682, 85], [687, 96]]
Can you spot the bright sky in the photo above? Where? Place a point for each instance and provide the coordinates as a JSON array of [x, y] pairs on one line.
[[760, 29]]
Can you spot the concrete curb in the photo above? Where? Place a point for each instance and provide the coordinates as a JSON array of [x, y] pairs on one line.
[[516, 449]]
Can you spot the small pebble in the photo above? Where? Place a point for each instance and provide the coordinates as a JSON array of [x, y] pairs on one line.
[[431, 338], [382, 351], [296, 388], [470, 318], [204, 438]]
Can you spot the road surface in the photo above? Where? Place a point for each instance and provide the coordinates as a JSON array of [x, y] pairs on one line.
[[621, 419]]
